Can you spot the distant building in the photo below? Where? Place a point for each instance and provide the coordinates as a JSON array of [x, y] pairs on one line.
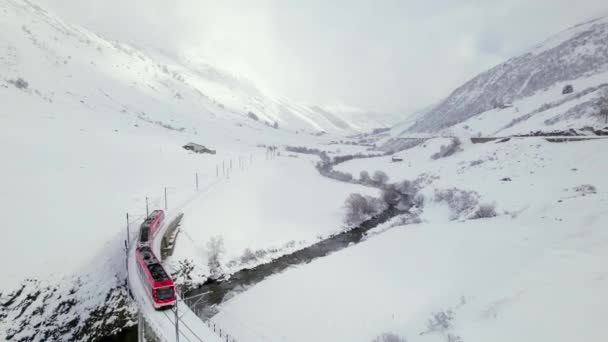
[[198, 148], [395, 159]]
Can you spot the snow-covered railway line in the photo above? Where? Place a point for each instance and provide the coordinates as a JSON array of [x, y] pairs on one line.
[[162, 323]]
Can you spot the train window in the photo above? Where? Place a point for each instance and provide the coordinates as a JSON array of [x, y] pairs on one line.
[[164, 293], [144, 234]]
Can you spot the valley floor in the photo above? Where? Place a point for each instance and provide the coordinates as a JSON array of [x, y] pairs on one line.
[[535, 272]]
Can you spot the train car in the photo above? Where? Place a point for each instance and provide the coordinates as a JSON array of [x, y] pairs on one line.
[[159, 286], [150, 226], [155, 220]]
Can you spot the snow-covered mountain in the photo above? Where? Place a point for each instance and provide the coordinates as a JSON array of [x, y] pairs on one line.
[[59, 61], [525, 92]]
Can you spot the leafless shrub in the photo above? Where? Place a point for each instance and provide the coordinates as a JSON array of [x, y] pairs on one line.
[[380, 178], [485, 211], [248, 256], [215, 249], [359, 208], [440, 321], [19, 83], [602, 104], [340, 176], [448, 150], [364, 177], [476, 162], [390, 194], [419, 200], [461, 202], [585, 189], [253, 116], [453, 338], [389, 337]]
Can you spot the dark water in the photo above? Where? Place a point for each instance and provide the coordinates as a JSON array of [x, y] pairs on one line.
[[220, 290]]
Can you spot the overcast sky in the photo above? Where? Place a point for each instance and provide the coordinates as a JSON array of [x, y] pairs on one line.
[[378, 54]]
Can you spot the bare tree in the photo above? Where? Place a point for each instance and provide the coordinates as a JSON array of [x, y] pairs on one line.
[[215, 249]]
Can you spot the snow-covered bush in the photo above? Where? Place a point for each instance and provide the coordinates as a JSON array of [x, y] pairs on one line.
[[419, 200], [585, 189], [448, 150], [453, 338], [485, 211], [380, 178], [390, 194], [19, 83], [567, 89], [602, 104], [215, 249], [440, 321], [461, 202], [364, 177], [341, 176], [360, 208], [476, 162], [253, 116], [389, 337], [248, 256]]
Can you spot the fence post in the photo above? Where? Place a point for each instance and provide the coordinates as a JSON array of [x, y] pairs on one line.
[[128, 237], [127, 262]]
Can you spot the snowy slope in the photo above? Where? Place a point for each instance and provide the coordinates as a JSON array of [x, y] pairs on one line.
[[270, 208], [90, 128], [532, 84]]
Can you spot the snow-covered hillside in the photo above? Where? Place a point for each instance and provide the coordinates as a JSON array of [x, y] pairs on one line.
[[510, 240], [528, 266], [88, 129], [525, 92]]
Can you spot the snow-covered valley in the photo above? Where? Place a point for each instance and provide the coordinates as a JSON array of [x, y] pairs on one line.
[[502, 240]]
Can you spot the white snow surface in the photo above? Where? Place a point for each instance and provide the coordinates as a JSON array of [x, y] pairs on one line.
[[534, 273], [273, 204]]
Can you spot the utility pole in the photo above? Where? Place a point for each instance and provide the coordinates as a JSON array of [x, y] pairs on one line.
[[147, 213], [128, 237], [127, 261], [217, 170], [223, 168], [176, 324], [165, 198], [140, 327]]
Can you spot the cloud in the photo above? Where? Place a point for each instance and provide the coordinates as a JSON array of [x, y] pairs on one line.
[[396, 55]]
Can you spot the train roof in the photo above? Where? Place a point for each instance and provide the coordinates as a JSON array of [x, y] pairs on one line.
[[154, 267]]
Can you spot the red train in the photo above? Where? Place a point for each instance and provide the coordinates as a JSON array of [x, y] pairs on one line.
[[150, 226], [158, 284]]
